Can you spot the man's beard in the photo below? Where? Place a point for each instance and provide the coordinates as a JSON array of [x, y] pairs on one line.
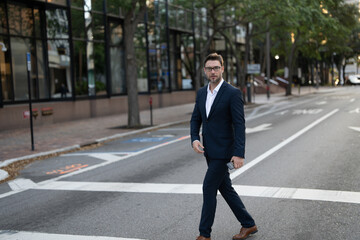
[[216, 80]]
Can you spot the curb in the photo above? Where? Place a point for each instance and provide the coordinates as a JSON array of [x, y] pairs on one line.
[[4, 174]]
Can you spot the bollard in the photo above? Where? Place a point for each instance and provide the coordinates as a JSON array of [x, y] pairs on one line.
[[151, 115]]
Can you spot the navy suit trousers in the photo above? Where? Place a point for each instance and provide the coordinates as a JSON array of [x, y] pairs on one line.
[[218, 178]]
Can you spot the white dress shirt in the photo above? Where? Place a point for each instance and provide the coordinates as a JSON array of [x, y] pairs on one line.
[[211, 96]]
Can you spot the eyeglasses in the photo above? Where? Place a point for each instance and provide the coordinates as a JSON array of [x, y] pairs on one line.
[[209, 69]]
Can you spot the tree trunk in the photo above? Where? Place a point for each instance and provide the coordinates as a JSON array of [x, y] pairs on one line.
[[131, 75]]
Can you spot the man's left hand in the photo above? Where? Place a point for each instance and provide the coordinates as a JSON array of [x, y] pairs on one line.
[[237, 161]]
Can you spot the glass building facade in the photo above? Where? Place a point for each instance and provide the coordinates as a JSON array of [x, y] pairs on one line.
[[77, 49]]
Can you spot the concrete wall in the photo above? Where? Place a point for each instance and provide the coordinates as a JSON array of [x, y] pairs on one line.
[[11, 116]]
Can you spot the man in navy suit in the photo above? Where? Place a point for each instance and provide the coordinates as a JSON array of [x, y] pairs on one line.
[[219, 109]]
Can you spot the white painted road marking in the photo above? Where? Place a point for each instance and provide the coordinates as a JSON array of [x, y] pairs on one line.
[[356, 110], [165, 188], [18, 235], [306, 111], [280, 145], [355, 128], [262, 127]]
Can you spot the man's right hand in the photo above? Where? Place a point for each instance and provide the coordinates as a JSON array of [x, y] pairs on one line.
[[198, 147]]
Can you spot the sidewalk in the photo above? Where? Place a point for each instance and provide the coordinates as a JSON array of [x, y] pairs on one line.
[[15, 145]]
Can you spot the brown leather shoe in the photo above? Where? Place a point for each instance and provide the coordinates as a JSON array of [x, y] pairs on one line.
[[202, 238], [245, 232]]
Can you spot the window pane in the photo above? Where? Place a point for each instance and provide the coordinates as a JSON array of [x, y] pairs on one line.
[[118, 83], [114, 7], [37, 23], [77, 3], [100, 73], [57, 23], [117, 65], [142, 70], [19, 48], [80, 68], [78, 23], [5, 74], [3, 22], [116, 33], [42, 81], [20, 20], [98, 26], [59, 68], [97, 5]]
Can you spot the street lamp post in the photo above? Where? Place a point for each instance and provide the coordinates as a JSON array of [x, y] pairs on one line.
[[268, 60]]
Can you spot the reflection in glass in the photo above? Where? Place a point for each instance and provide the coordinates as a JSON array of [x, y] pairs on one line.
[[19, 48], [42, 81], [89, 47], [58, 2], [37, 23], [57, 23], [118, 83], [81, 83], [20, 20], [3, 22], [78, 25], [59, 68], [77, 3], [5, 73], [100, 76]]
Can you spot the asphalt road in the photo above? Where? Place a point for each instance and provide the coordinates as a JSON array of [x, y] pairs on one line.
[[300, 181]]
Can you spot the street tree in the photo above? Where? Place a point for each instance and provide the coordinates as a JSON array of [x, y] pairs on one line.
[[134, 12]]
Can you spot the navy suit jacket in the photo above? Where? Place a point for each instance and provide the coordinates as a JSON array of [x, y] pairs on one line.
[[223, 131]]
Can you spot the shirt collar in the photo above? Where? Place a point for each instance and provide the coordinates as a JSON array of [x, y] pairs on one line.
[[217, 87]]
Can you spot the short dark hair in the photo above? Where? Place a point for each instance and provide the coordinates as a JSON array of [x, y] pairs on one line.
[[214, 57]]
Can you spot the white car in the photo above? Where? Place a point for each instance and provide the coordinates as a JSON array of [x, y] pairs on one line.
[[354, 79]]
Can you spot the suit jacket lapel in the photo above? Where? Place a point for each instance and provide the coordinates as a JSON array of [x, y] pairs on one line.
[[203, 103], [218, 96]]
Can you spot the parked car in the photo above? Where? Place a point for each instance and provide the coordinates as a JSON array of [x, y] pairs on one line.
[[354, 79]]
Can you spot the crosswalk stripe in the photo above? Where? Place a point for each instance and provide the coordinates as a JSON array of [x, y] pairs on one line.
[[243, 190], [19, 235]]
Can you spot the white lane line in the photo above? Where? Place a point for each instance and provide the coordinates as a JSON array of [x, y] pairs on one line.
[[16, 235], [279, 146], [355, 128], [89, 153], [243, 190]]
